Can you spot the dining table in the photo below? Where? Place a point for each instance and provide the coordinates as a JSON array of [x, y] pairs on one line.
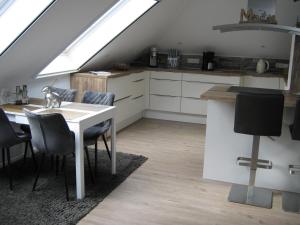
[[79, 117]]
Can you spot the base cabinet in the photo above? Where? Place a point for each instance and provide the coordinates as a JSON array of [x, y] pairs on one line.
[[165, 103], [193, 106], [163, 95]]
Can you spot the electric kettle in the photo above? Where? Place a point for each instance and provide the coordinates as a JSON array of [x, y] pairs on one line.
[[262, 66]]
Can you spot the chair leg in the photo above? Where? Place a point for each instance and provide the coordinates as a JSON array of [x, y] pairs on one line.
[[56, 165], [107, 149], [25, 152], [89, 164], [3, 158], [9, 168], [96, 156], [66, 179], [32, 155], [39, 171]]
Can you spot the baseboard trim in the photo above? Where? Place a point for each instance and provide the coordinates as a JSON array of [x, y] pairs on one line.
[[180, 117]]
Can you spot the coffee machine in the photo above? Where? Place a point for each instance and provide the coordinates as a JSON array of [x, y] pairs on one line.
[[208, 61], [153, 57]]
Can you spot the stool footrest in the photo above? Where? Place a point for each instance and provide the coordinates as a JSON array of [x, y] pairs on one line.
[[294, 169], [261, 163]]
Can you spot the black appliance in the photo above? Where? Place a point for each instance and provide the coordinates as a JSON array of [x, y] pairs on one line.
[[208, 61]]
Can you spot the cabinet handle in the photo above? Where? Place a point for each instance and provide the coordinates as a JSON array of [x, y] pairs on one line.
[[165, 96], [192, 98], [122, 98], [212, 83], [164, 79], [193, 81], [137, 97], [136, 81]]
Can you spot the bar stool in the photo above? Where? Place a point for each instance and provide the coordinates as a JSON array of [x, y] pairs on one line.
[[257, 115], [291, 201]]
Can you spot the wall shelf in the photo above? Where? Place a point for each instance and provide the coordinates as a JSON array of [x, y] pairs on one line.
[[257, 26]]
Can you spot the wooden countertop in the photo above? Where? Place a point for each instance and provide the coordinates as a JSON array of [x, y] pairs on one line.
[[239, 73], [221, 93]]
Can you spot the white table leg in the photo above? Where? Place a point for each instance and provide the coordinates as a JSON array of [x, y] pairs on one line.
[[113, 145], [80, 186]]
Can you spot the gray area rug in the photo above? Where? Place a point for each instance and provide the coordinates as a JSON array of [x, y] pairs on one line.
[[48, 205]]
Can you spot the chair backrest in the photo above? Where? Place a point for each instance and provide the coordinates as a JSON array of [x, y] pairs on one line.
[[50, 133], [259, 114], [101, 98], [8, 136], [67, 95], [295, 127]]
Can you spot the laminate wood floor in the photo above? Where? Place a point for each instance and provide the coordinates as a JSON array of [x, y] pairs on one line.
[[169, 190]]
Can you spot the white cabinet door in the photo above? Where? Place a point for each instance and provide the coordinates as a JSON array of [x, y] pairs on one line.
[[193, 106], [165, 103], [120, 86], [215, 79], [166, 75], [165, 87], [194, 88], [123, 108], [137, 104], [261, 82], [138, 87]]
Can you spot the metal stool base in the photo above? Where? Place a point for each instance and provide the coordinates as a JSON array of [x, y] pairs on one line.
[[261, 197], [291, 202]]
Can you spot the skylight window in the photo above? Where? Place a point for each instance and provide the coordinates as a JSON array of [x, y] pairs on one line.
[[16, 16], [95, 38]]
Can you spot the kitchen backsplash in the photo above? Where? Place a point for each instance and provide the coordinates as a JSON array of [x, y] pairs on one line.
[[220, 62]]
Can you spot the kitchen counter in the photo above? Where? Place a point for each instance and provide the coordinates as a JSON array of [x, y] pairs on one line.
[[223, 146], [225, 72], [221, 93]]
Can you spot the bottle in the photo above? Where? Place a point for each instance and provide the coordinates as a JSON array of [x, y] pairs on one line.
[[25, 95], [153, 57], [18, 95]]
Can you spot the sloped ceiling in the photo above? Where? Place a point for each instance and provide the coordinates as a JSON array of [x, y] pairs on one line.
[[192, 31], [183, 24], [140, 36], [48, 36], [187, 26]]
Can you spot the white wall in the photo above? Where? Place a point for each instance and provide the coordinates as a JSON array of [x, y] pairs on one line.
[[192, 30], [141, 35]]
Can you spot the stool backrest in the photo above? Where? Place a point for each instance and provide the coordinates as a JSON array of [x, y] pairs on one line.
[[295, 127], [259, 114], [50, 133]]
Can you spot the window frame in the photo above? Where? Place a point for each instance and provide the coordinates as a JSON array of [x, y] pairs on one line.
[[27, 27], [74, 42]]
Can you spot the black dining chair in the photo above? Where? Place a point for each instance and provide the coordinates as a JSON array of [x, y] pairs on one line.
[[9, 138], [92, 134], [52, 136]]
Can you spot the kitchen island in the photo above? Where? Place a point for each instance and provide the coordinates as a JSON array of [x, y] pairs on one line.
[[223, 146]]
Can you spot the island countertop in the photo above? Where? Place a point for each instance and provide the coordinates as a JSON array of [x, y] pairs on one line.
[[221, 93]]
